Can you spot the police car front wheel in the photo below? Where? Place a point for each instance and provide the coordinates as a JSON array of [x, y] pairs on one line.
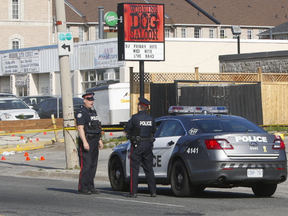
[[116, 176]]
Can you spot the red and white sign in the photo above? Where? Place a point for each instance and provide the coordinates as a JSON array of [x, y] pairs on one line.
[[141, 32]]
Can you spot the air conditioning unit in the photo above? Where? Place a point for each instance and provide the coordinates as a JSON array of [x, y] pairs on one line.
[[110, 75]]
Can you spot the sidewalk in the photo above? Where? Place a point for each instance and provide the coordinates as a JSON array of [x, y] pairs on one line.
[[47, 158], [48, 162], [29, 141]]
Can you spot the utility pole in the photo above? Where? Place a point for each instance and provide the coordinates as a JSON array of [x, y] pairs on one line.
[[66, 93], [101, 22]]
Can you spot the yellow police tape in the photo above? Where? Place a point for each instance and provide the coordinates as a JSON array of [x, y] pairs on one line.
[[58, 129]]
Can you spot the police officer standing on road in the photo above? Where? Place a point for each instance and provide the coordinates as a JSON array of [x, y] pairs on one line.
[[89, 130], [140, 129]]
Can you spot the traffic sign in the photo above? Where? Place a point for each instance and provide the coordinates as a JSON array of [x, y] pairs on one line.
[[65, 43]]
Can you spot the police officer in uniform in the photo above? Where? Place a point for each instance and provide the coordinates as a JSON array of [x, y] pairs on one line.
[[140, 129], [89, 140]]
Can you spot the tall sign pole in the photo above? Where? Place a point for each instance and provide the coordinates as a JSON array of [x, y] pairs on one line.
[[236, 30], [65, 47], [141, 73]]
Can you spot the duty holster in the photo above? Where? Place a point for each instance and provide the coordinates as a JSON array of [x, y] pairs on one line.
[[135, 140]]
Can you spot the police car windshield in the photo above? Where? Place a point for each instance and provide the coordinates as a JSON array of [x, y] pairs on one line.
[[227, 125]]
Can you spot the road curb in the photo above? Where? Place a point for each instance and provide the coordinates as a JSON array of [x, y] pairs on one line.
[[61, 174]]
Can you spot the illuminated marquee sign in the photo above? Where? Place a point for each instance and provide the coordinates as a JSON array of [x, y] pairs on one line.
[[141, 32]]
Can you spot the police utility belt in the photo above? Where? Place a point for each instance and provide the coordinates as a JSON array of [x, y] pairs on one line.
[[92, 136], [136, 140]]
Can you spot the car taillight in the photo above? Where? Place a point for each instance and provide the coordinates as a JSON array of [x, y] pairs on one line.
[[217, 144], [279, 144]]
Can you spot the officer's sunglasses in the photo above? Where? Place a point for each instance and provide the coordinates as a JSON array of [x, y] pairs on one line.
[[89, 98]]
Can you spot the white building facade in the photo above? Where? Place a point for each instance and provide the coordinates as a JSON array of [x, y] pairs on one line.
[[35, 70]]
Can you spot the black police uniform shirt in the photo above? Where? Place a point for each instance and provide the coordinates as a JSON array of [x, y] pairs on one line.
[[144, 122], [85, 115]]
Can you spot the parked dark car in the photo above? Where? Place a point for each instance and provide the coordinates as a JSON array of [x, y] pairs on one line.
[[32, 101], [54, 106]]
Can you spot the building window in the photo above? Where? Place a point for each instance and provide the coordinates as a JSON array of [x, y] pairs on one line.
[[183, 32], [16, 44], [15, 9], [68, 28], [89, 79], [249, 34], [222, 33], [81, 34], [95, 78], [211, 33], [197, 33], [97, 32], [167, 33]]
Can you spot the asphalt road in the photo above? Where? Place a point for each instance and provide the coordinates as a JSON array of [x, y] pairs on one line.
[[46, 187], [46, 197]]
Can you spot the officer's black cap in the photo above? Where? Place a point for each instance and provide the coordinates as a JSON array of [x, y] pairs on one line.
[[144, 101], [88, 96]]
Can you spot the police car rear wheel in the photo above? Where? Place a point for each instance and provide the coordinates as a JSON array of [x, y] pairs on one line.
[[179, 180], [116, 176], [264, 190]]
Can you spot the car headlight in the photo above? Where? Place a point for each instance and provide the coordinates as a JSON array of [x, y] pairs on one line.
[[36, 115], [6, 116]]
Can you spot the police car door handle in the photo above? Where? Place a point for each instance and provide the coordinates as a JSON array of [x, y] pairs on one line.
[[171, 143]]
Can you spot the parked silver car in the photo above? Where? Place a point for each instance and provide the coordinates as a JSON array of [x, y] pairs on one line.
[[15, 109], [7, 95]]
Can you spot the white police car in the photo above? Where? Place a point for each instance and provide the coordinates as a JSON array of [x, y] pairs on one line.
[[201, 147]]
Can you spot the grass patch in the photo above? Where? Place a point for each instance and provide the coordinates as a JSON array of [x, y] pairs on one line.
[[276, 128], [116, 141]]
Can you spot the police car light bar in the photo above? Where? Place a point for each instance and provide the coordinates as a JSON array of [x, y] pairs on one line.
[[197, 109]]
